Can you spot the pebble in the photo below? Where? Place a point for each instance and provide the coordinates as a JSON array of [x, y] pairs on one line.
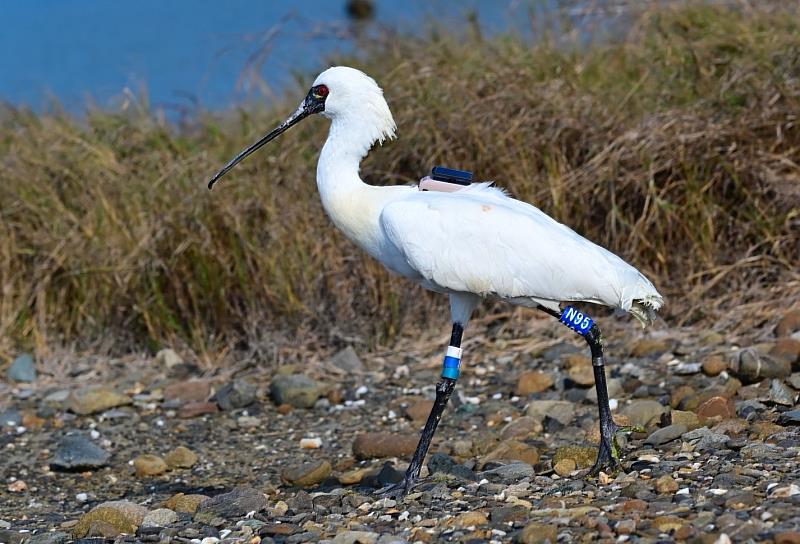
[[647, 347], [583, 457], [522, 427], [354, 476], [750, 366], [791, 417], [22, 369], [470, 519], [78, 453], [713, 365], [614, 387], [188, 391], [194, 409], [509, 473], [380, 445], [310, 443], [666, 484], [533, 381], [17, 486], [149, 465], [717, 407], [565, 466], [644, 412], [235, 504], [538, 533], [788, 324], [666, 434], [787, 349], [160, 517], [180, 457], [297, 390], [559, 410], [185, 503], [48, 537], [120, 516], [347, 360], [237, 394], [308, 474], [418, 411], [687, 369], [10, 418], [512, 450], [355, 537], [168, 358], [706, 439], [680, 417], [91, 400], [781, 394]]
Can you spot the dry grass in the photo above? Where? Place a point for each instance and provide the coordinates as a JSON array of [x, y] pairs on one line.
[[677, 147]]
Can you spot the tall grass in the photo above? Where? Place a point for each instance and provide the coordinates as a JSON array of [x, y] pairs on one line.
[[676, 147]]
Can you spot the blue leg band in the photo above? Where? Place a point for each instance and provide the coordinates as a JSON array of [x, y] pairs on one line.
[[450, 367], [576, 320]]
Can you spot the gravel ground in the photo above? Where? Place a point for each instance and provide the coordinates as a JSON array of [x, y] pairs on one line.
[[151, 449]]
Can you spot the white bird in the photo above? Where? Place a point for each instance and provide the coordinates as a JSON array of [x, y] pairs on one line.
[[471, 244]]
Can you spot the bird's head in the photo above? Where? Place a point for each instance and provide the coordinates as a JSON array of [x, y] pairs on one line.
[[349, 97]]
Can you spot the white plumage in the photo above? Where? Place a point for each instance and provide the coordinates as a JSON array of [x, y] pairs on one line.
[[471, 244]]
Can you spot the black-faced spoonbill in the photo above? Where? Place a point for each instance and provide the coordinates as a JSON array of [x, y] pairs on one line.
[[470, 244]]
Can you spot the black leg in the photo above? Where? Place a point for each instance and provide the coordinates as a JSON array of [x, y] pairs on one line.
[[607, 454], [445, 387]]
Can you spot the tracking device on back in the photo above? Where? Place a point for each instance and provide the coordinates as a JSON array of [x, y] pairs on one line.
[[446, 180]]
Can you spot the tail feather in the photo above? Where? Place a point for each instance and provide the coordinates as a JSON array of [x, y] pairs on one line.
[[645, 309]]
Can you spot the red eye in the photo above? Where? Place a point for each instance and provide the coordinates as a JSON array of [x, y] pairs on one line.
[[321, 91]]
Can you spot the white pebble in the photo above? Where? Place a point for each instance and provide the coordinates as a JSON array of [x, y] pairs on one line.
[[497, 396], [361, 390], [403, 515], [225, 532], [717, 491], [311, 443], [613, 404], [94, 434], [21, 429], [82, 497], [684, 491], [209, 540]]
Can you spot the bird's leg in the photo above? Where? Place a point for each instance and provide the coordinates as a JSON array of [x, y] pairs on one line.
[[445, 387], [607, 454]]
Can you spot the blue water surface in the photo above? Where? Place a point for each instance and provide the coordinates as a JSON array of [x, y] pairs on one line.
[[191, 53]]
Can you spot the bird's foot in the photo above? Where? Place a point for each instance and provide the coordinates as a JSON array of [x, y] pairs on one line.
[[608, 459], [399, 490]]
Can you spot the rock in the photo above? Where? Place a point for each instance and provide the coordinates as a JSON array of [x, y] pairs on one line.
[[522, 427], [168, 358], [788, 537], [49, 537], [235, 504], [717, 407], [181, 457], [509, 473], [713, 365], [185, 503], [680, 395], [237, 394], [470, 519], [667, 434], [297, 390], [533, 382], [750, 366], [10, 418], [188, 391], [379, 445], [788, 324], [91, 400], [194, 409], [512, 450], [347, 360], [687, 369], [439, 462], [354, 476], [579, 370], [149, 465], [355, 537], [593, 436], [781, 394], [666, 524], [583, 457], [559, 350], [78, 453], [22, 369], [559, 410], [666, 484], [706, 439], [644, 412], [565, 466], [647, 347], [160, 517], [614, 387], [308, 474], [625, 526], [509, 514], [791, 417], [121, 516], [418, 411], [785, 349], [538, 533], [690, 419]]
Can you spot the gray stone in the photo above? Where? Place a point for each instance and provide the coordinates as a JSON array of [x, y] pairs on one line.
[[49, 537], [22, 369], [559, 410], [297, 390], [347, 360], [77, 453], [667, 434], [791, 417], [686, 369], [234, 504], [642, 412], [615, 390], [440, 462], [355, 537], [10, 418], [509, 473], [160, 517], [706, 439], [236, 394], [554, 352], [779, 393]]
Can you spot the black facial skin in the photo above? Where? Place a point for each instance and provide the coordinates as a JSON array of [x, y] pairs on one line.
[[314, 102]]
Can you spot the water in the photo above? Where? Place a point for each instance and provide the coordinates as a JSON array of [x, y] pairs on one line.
[[187, 53]]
